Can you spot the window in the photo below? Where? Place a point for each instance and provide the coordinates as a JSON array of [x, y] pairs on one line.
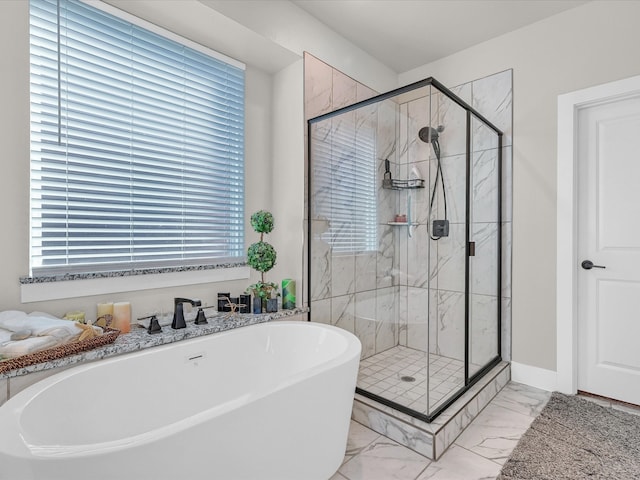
[[137, 146]]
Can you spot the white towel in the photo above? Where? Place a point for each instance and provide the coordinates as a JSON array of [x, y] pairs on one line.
[[5, 335], [39, 325], [29, 345]]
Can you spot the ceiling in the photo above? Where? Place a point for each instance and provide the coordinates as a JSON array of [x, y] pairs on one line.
[[405, 34]]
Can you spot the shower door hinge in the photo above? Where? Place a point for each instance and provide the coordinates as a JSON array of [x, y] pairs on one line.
[[472, 249]]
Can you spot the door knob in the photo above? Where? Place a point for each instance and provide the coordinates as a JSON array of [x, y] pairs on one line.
[[588, 265]]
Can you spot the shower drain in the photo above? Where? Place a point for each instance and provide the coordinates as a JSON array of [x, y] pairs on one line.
[[407, 378]]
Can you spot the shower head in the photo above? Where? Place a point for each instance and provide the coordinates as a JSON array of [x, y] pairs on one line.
[[430, 134]]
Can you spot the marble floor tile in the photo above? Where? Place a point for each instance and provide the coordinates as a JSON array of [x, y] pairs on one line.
[[359, 438], [385, 459], [478, 454], [522, 399], [495, 432], [460, 464]]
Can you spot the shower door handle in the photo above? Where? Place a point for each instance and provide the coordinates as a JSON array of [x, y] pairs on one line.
[[588, 265], [472, 249]]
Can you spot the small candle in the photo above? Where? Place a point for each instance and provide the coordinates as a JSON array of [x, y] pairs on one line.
[[122, 316], [104, 318], [105, 309]]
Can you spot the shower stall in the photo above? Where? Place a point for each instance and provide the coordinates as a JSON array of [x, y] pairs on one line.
[[404, 242]]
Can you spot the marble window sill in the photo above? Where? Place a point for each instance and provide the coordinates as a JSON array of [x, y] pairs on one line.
[[56, 288]]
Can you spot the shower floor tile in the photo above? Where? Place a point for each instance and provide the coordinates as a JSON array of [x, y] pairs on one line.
[[383, 373]]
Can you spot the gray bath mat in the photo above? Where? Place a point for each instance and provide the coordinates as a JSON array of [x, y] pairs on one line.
[[575, 439]]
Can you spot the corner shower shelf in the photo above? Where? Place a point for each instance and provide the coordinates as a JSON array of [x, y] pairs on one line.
[[395, 184], [402, 224]]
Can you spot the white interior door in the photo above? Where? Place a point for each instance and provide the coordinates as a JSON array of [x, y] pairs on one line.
[[608, 146]]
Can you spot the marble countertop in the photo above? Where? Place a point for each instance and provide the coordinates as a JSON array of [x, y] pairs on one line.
[[139, 339]]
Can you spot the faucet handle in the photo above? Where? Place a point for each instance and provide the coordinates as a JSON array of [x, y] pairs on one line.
[[200, 318], [154, 325]]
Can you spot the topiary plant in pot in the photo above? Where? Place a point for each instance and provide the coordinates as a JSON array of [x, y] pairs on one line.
[[262, 257]]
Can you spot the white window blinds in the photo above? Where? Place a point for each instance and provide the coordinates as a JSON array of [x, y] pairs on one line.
[[137, 146]]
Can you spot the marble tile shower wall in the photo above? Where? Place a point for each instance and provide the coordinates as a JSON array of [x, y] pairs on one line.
[[387, 296], [443, 295]]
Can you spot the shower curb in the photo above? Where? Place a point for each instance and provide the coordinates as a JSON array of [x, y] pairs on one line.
[[432, 439]]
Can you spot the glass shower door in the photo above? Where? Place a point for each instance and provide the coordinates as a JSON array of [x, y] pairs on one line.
[[484, 245]]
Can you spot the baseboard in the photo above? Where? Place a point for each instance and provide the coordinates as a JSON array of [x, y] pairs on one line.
[[534, 376]]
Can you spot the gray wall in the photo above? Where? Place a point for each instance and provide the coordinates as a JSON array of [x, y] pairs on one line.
[[585, 46]]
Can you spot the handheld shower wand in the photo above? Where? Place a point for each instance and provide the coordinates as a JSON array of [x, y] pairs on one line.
[[440, 227]]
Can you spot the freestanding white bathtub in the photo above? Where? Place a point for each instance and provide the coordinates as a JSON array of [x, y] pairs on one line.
[[265, 402]]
